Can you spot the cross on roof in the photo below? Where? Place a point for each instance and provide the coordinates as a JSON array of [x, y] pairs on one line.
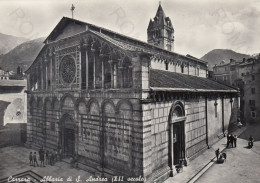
[[72, 9]]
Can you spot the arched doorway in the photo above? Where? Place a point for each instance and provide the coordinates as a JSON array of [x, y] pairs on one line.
[[177, 155], [68, 131]]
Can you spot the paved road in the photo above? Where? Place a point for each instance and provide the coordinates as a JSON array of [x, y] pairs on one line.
[[242, 165]]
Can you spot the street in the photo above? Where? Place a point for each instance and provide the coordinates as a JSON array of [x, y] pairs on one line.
[[242, 164]]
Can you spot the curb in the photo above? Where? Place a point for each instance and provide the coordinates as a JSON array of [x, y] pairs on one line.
[[212, 161]]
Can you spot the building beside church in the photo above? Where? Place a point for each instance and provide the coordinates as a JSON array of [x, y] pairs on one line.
[[13, 112], [123, 106], [243, 74]]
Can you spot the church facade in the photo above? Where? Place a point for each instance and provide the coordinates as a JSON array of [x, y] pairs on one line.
[[123, 106]]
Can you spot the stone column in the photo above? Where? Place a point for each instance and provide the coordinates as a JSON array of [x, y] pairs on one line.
[[28, 81], [172, 167], [94, 70], [86, 69], [223, 116], [46, 73], [51, 72], [112, 72], [41, 67], [103, 74], [115, 75]]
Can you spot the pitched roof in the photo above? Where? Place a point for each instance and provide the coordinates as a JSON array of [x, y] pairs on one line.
[[118, 38], [171, 81]]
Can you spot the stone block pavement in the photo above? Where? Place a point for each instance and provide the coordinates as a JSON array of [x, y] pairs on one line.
[[202, 163]]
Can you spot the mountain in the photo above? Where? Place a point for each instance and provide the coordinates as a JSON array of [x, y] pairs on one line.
[[22, 55], [217, 55], [8, 42]]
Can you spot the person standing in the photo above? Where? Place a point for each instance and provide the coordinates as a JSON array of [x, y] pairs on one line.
[[60, 153], [41, 156], [217, 153], [228, 140], [35, 159], [232, 140], [235, 140], [31, 159], [51, 158], [251, 140], [47, 158]]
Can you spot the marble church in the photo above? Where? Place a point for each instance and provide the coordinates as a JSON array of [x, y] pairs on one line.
[[123, 106]]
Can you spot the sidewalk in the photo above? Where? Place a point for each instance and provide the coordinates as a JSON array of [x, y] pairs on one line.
[[202, 163]]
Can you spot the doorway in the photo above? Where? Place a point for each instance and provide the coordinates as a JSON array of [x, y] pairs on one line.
[[69, 141], [177, 146], [178, 137], [68, 135]]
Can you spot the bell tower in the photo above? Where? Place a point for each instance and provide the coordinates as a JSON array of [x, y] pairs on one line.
[[160, 31]]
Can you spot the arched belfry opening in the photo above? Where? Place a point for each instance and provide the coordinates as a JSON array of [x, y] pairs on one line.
[[177, 118]]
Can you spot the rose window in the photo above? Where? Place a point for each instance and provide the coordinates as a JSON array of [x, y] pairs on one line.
[[67, 69]]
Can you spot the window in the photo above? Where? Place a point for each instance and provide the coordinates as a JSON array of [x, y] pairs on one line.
[[166, 65], [242, 74], [252, 103], [67, 69], [49, 83], [216, 109], [182, 68], [253, 77], [253, 90], [198, 71], [232, 68], [253, 114]]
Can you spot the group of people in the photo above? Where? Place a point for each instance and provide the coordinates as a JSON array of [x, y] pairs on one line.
[[46, 158], [231, 140]]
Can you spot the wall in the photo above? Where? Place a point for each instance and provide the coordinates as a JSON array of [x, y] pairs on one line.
[[91, 111], [248, 95], [159, 135], [195, 133], [16, 111], [189, 70], [195, 128], [214, 121]]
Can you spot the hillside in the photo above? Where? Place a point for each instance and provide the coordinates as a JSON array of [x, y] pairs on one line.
[[22, 55], [216, 56], [8, 42]]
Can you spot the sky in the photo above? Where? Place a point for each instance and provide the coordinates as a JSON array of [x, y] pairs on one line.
[[200, 25]]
